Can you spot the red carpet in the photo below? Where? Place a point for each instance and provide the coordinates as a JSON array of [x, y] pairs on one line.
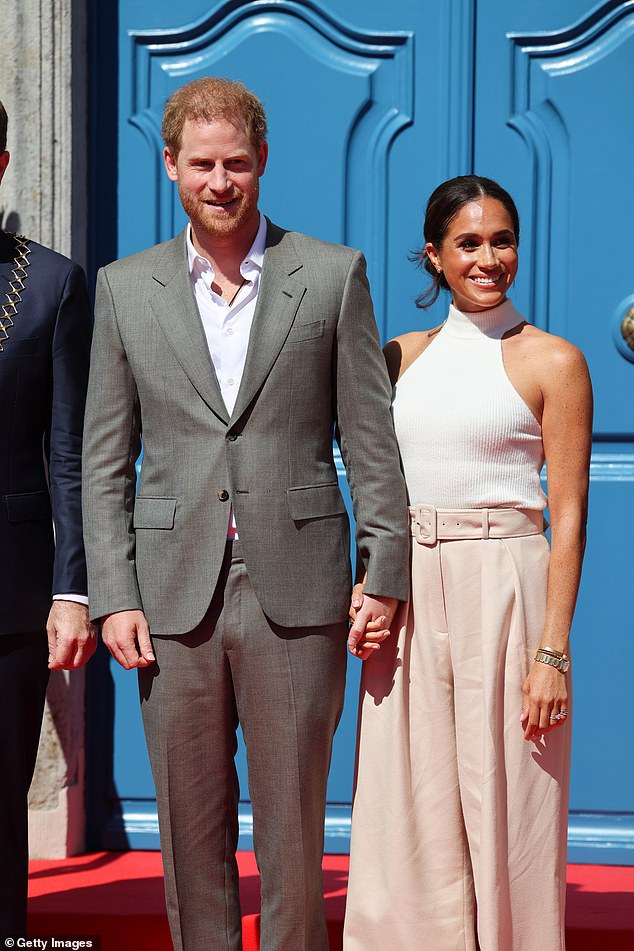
[[119, 896]]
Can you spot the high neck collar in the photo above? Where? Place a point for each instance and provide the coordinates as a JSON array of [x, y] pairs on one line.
[[492, 323]]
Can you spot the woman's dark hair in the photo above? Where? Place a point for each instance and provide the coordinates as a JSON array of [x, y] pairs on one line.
[[444, 204]]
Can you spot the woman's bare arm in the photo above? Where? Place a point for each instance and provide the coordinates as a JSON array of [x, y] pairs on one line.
[[567, 434]]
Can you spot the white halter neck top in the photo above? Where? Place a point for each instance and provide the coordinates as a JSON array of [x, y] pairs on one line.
[[466, 436]]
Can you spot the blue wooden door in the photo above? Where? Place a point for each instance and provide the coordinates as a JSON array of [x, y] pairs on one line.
[[371, 105], [553, 122]]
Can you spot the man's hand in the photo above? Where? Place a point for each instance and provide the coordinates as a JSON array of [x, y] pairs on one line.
[[371, 623], [72, 638], [126, 634]]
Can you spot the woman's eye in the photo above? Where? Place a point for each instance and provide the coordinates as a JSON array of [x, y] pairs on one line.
[[468, 245]]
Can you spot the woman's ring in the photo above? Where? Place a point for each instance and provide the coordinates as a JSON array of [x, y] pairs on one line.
[[558, 716]]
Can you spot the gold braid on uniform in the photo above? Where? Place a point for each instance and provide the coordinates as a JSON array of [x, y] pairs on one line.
[[16, 287]]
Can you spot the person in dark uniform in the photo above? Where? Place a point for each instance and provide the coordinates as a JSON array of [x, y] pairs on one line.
[[45, 331]]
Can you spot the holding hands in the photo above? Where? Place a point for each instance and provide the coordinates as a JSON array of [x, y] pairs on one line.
[[371, 618]]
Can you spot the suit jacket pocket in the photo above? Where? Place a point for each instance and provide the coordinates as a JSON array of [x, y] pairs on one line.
[[315, 501], [28, 506], [308, 331], [154, 513]]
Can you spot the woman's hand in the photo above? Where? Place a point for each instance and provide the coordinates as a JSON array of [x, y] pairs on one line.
[[356, 600], [375, 631], [545, 693]]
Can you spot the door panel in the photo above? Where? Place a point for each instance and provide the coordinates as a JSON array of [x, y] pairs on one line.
[[550, 125]]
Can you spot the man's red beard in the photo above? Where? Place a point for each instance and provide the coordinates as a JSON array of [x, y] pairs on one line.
[[206, 219]]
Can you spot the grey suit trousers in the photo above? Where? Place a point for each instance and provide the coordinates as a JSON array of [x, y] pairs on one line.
[[285, 686]]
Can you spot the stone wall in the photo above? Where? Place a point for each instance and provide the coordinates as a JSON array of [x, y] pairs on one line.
[[43, 195]]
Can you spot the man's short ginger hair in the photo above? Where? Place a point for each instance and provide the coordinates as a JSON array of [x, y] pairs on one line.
[[208, 99], [4, 121]]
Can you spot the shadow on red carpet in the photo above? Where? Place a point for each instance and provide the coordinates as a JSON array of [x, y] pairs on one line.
[[119, 896]]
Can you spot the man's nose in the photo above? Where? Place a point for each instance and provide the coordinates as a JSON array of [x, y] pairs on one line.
[[218, 179]]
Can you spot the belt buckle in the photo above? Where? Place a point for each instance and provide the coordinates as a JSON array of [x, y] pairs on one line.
[[426, 524]]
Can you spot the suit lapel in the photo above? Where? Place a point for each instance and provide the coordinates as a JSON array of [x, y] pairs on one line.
[[279, 297], [174, 305]]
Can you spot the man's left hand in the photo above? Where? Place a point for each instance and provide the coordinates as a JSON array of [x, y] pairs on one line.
[[371, 625], [72, 638]]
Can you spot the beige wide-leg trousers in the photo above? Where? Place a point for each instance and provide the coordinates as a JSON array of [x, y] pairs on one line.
[[459, 823]]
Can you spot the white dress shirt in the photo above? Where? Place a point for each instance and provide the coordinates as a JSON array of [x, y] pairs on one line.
[[228, 326]]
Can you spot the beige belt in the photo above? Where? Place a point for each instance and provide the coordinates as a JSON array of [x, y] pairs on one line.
[[429, 524]]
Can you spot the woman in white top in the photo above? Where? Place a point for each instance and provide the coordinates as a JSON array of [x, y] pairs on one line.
[[460, 810]]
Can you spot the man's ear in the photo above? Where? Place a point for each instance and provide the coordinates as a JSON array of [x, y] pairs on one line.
[[170, 165], [263, 154], [4, 161]]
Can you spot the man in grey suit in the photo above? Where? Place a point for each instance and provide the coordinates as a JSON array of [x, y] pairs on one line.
[[237, 349]]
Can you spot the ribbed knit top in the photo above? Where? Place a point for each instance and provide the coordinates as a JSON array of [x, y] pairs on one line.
[[467, 438]]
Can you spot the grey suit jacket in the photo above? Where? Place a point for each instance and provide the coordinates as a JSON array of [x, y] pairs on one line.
[[313, 366]]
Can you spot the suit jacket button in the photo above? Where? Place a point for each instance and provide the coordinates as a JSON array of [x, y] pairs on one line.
[[223, 495], [232, 437]]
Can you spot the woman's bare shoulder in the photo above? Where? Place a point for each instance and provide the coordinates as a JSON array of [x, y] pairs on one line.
[[555, 354], [402, 351]]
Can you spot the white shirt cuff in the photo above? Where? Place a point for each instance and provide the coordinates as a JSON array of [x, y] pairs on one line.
[[78, 598]]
